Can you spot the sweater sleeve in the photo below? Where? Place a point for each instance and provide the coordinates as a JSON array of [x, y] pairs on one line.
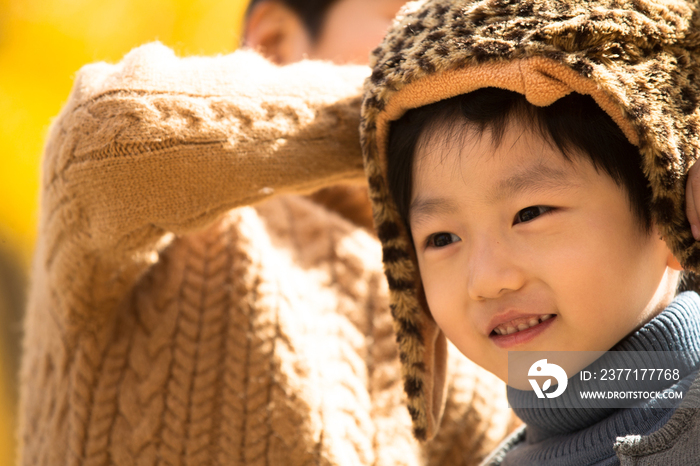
[[157, 146]]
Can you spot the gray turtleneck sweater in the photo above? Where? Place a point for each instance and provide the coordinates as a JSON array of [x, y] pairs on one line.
[[642, 434]]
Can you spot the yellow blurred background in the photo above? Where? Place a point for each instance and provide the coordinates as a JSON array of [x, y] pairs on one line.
[[42, 45]]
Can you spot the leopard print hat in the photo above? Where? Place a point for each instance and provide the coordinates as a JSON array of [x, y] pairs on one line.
[[637, 59]]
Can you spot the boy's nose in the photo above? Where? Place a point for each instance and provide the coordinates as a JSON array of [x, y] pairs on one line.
[[492, 271]]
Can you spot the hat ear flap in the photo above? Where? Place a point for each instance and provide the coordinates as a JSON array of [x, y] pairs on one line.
[[426, 388], [436, 372]]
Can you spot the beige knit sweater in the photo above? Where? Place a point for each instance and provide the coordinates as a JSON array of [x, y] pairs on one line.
[[171, 323]]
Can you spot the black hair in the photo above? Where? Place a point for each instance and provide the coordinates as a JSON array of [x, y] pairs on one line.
[[574, 124], [311, 12]]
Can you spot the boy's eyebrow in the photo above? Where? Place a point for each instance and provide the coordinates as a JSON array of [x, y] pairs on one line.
[[532, 179], [535, 178], [422, 208]]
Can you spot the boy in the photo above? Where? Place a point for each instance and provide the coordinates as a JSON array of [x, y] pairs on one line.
[[526, 162]]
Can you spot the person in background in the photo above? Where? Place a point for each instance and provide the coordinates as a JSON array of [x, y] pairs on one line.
[[342, 31], [206, 288]]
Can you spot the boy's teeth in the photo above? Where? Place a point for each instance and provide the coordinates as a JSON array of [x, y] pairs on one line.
[[507, 329]]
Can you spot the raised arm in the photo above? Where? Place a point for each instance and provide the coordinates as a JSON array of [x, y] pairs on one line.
[[158, 145]]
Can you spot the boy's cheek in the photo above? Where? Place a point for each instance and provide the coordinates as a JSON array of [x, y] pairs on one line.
[[460, 329], [442, 282]]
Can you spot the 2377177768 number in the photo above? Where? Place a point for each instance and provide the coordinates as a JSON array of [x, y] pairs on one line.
[[639, 374]]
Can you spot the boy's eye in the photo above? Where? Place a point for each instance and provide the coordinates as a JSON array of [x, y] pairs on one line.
[[440, 240], [529, 213]]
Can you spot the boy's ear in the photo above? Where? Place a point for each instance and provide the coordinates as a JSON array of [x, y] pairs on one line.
[[671, 260], [277, 32], [673, 263]]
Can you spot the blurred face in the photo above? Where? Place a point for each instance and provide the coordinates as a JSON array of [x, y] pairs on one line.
[[353, 28], [520, 249]]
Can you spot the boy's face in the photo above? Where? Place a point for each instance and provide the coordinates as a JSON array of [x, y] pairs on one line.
[[517, 237]]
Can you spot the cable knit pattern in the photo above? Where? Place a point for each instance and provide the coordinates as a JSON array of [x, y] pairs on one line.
[[172, 323]]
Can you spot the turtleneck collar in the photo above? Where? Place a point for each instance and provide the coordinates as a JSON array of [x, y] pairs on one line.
[[555, 433]]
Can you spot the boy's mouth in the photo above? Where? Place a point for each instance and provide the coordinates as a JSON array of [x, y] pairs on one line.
[[520, 324]]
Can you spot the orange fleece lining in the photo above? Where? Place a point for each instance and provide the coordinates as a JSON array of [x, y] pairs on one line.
[[543, 81]]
